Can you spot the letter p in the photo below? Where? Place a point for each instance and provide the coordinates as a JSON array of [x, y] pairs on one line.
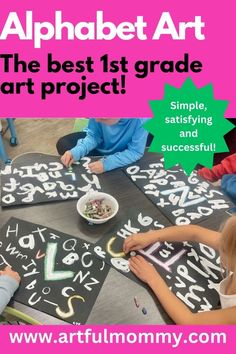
[[42, 31]]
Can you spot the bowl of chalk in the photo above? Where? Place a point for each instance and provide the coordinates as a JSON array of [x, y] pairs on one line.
[[97, 207]]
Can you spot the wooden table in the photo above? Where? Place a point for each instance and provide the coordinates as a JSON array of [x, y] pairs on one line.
[[115, 303]]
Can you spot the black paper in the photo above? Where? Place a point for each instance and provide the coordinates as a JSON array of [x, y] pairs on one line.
[[192, 271], [182, 199], [46, 180], [58, 271]]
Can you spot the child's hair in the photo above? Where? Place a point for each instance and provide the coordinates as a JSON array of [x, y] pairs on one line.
[[228, 245]]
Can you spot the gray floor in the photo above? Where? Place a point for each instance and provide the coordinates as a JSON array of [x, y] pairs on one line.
[[37, 135]]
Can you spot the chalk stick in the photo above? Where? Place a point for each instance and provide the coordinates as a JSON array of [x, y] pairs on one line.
[[144, 311], [136, 302]]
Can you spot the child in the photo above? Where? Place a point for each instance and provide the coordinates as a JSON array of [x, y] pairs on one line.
[[226, 166], [9, 282], [225, 170], [228, 186], [225, 242], [120, 142]]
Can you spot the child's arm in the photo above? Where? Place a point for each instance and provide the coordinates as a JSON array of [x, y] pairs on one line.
[[175, 308], [227, 166], [134, 151], [9, 282], [190, 233], [228, 185], [90, 142]]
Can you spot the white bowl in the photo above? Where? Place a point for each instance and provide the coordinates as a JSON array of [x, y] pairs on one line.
[[111, 201]]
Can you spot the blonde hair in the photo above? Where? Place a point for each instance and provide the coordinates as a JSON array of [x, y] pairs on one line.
[[228, 244]]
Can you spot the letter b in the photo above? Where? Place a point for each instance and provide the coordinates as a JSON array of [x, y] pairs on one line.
[[101, 26], [54, 66]]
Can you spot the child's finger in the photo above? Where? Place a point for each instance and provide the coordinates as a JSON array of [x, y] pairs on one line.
[[92, 170], [129, 241], [133, 269], [131, 245], [132, 248], [91, 166], [133, 265], [67, 159], [137, 260], [140, 258], [125, 246], [63, 160], [7, 268], [65, 163], [70, 162]]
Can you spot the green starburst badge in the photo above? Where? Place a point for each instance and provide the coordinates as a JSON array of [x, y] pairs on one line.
[[188, 126]]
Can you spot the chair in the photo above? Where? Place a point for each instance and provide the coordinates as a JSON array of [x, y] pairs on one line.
[[13, 140], [13, 316]]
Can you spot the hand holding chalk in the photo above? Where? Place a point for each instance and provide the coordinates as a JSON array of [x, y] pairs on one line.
[[9, 272], [138, 241], [67, 159]]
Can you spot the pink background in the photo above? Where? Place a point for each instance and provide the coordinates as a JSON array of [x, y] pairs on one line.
[[184, 347], [216, 53]]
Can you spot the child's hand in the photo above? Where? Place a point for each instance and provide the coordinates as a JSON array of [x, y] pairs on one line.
[[138, 241], [96, 167], [8, 271], [143, 270], [67, 159]]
